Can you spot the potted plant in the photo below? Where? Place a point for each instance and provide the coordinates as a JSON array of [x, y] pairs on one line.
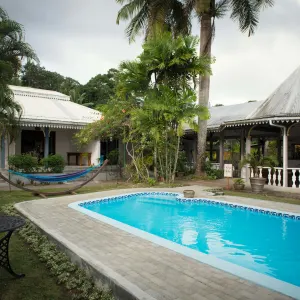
[[189, 194], [255, 161], [239, 184]]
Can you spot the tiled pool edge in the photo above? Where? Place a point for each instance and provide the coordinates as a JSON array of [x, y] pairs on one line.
[[180, 198], [258, 278], [121, 287]]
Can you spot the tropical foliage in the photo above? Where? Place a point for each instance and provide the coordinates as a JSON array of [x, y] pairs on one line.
[[99, 89], [12, 50], [255, 160], [148, 15], [96, 91], [154, 100], [154, 16]]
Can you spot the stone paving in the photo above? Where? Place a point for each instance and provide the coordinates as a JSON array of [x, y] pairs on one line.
[[142, 269]]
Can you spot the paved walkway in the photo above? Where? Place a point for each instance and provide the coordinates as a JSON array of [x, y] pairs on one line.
[[143, 269]]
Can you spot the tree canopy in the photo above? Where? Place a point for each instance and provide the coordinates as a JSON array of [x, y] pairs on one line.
[[13, 49], [154, 100]]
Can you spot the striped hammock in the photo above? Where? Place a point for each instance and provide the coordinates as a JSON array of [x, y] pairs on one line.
[[57, 178]]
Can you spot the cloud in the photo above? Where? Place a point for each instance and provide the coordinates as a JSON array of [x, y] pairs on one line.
[[80, 39]]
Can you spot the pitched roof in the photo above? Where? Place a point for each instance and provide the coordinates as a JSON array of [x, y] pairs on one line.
[[222, 114], [284, 102], [50, 107]]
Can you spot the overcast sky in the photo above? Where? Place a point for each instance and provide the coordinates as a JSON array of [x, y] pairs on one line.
[[81, 39]]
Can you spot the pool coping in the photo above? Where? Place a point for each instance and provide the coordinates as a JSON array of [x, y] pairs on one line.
[[256, 277]]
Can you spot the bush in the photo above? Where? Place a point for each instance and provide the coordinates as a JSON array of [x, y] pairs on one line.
[[54, 163], [113, 157], [23, 163], [213, 173], [182, 162]]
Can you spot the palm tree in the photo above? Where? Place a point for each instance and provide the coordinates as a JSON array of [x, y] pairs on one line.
[[78, 98], [246, 13], [12, 50], [143, 14], [152, 16]]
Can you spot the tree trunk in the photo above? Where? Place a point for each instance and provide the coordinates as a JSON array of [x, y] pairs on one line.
[[176, 158], [203, 98], [155, 161]]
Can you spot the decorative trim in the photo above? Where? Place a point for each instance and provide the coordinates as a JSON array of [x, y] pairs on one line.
[[46, 124], [180, 198]]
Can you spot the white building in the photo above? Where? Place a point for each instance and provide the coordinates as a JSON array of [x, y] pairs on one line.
[[48, 124], [276, 118]]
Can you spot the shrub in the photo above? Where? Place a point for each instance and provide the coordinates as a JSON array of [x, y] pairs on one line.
[[23, 163], [54, 163], [239, 181], [182, 162], [151, 181], [213, 173], [113, 157]]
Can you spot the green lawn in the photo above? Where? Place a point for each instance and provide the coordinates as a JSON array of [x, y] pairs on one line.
[[37, 284], [269, 197]]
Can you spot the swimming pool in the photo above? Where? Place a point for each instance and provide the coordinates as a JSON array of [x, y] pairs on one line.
[[257, 244]]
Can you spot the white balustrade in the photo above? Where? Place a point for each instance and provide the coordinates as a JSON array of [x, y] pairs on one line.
[[279, 177], [260, 175], [295, 177], [269, 176], [215, 166]]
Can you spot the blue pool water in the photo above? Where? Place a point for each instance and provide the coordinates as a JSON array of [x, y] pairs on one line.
[[263, 243]]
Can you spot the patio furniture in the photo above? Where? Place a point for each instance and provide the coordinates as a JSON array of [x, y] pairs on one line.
[[79, 156], [8, 224]]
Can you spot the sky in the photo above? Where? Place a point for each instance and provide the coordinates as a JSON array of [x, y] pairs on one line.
[[81, 39]]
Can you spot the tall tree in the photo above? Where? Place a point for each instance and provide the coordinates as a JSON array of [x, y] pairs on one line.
[[246, 13], [38, 77], [100, 88], [77, 97], [153, 16], [12, 50], [142, 14], [154, 99]]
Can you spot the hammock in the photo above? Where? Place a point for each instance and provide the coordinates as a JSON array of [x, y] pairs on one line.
[[56, 178], [58, 193]]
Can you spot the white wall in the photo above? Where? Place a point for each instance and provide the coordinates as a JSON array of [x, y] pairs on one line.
[[65, 143], [94, 148]]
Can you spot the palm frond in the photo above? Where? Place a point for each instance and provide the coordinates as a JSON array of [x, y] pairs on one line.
[[246, 13]]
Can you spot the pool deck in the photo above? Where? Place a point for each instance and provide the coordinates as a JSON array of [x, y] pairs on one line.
[[135, 268]]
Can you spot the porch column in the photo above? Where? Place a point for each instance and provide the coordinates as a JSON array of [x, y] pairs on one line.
[[221, 156], [46, 143], [279, 149], [2, 158], [211, 145], [242, 144], [248, 151], [285, 158]]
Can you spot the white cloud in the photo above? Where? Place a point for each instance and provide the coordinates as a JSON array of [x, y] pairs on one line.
[[80, 39]]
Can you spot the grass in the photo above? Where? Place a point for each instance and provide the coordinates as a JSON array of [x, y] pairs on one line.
[[269, 197], [37, 284]]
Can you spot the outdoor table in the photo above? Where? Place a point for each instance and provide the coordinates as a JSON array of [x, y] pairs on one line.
[[8, 224]]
